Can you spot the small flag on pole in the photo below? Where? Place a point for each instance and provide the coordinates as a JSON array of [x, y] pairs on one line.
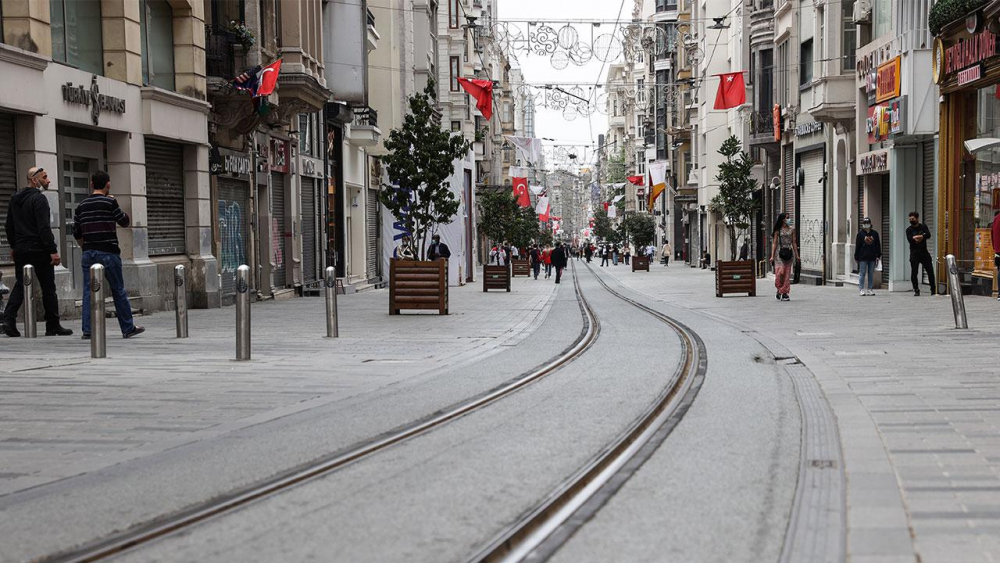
[[732, 91]]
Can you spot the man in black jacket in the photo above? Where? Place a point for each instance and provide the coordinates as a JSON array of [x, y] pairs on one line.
[[559, 260], [867, 251], [31, 241], [917, 235], [438, 249]]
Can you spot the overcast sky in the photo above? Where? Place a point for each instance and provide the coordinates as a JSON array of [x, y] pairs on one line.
[[538, 69]]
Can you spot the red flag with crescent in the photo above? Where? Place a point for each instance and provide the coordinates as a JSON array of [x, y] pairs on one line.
[[521, 192]]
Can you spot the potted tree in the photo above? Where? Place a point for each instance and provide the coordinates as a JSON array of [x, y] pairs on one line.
[[523, 231], [418, 164], [735, 203], [640, 229], [497, 213]]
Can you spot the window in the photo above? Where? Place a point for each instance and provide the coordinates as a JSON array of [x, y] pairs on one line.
[[454, 74], [507, 114], [456, 126], [806, 63], [848, 40], [76, 34], [453, 14], [783, 70], [881, 18], [640, 159], [640, 91], [156, 24], [309, 139], [764, 92]]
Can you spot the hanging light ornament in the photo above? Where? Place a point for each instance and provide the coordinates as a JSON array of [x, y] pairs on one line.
[[568, 37], [559, 60]]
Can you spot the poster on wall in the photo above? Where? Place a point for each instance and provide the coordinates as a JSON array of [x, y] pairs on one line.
[[984, 265]]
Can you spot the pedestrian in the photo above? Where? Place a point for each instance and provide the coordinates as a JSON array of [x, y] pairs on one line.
[[437, 249], [614, 254], [995, 229], [627, 254], [783, 245], [404, 251], [547, 260], [589, 252], [605, 252], [917, 234], [514, 253], [559, 260], [535, 256], [745, 250], [665, 253], [867, 250], [30, 237], [650, 252], [94, 223]]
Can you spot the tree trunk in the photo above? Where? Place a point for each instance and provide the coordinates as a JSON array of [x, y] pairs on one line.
[[732, 241]]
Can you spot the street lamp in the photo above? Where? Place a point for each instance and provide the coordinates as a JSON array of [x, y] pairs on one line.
[[719, 23]]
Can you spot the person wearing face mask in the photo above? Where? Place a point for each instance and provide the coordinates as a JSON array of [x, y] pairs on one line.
[[783, 245], [867, 249], [31, 241], [995, 231], [918, 234]]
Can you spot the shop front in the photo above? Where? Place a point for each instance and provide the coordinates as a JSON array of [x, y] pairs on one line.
[[966, 66], [233, 171]]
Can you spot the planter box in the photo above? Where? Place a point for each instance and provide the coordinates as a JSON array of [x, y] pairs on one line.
[[520, 268], [496, 277], [640, 263], [735, 277], [418, 285]]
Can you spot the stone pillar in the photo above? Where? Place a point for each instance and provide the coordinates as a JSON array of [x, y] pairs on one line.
[[904, 197], [204, 279], [122, 39], [189, 48], [127, 168], [26, 25]]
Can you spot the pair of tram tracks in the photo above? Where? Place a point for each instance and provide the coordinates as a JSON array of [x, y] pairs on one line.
[[534, 536]]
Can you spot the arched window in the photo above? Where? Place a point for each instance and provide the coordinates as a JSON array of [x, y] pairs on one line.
[[156, 19]]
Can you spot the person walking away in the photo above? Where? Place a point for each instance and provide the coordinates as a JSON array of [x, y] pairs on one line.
[[94, 224], [438, 249], [589, 253], [559, 260], [995, 230], [665, 253], [745, 249], [547, 260], [614, 254], [605, 255], [627, 254], [784, 254], [917, 235], [31, 242], [867, 249], [650, 253], [535, 256]]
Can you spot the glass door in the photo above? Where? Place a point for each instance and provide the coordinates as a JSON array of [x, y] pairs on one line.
[[76, 188]]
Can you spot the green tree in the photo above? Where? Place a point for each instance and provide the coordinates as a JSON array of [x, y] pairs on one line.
[[736, 187], [603, 229], [418, 163], [616, 169], [639, 228], [497, 213], [525, 228]]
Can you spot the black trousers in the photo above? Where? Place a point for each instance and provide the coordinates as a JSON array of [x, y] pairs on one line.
[[558, 274], [45, 277], [922, 259]]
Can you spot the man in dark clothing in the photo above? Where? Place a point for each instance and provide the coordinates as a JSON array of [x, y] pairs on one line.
[[559, 260], [995, 231], [94, 223], [605, 252], [918, 234], [589, 252], [438, 249], [31, 242], [535, 256]]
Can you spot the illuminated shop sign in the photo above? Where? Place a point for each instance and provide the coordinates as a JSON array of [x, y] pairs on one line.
[[885, 120]]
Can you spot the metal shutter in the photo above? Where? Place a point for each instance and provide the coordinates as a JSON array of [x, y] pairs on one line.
[[8, 179], [929, 181], [373, 229], [278, 228], [234, 232], [309, 230], [811, 212], [859, 216], [789, 200], [165, 197], [886, 235]]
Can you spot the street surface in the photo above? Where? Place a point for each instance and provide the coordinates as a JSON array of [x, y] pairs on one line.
[[829, 428]]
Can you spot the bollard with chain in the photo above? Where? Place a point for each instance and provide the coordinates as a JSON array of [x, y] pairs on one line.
[[30, 324], [180, 301], [243, 313], [957, 299], [98, 336], [330, 285]]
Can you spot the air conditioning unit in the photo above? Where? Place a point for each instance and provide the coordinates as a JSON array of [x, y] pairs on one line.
[[863, 11]]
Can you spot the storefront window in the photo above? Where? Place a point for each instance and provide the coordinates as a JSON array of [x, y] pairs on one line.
[[982, 196], [157, 32], [76, 34]]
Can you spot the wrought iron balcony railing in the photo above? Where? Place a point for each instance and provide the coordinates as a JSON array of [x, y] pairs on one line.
[[365, 117], [223, 53]]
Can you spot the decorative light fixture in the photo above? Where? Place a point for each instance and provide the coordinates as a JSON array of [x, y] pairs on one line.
[[719, 23]]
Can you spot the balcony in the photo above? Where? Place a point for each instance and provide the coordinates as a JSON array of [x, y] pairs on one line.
[[616, 121], [364, 131], [372, 35], [762, 128], [224, 54], [762, 25], [833, 99]]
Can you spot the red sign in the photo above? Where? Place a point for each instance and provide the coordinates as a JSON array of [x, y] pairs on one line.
[[777, 123], [279, 156], [884, 120], [970, 74], [974, 50]]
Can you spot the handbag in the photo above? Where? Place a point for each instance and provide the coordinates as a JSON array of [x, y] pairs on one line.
[[878, 264], [785, 254]]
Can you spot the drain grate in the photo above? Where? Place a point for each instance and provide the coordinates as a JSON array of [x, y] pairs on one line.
[[823, 463]]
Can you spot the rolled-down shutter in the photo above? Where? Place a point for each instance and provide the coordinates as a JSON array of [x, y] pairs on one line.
[[929, 181], [860, 215], [8, 179], [886, 235], [811, 212], [373, 230], [165, 197], [309, 274], [234, 232], [278, 228], [789, 191]]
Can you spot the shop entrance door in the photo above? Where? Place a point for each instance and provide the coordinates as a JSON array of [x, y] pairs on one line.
[[78, 159]]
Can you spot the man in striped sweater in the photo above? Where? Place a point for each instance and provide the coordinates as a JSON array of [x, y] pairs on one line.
[[94, 223]]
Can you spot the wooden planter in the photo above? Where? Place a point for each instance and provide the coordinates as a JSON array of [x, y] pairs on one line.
[[418, 285], [496, 277], [520, 268], [640, 263], [735, 277]]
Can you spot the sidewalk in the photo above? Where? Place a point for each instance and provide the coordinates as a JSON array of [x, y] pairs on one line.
[[63, 414], [916, 403]]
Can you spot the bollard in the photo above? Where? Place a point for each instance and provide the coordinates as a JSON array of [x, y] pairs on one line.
[[957, 300], [243, 313], [180, 301], [330, 284], [98, 335], [30, 324]]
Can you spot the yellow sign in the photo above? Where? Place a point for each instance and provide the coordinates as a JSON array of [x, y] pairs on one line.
[[984, 253], [937, 61], [887, 80]]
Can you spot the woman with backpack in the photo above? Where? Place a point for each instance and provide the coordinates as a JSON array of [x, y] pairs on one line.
[[784, 249]]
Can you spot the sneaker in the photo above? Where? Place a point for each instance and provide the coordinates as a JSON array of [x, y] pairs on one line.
[[778, 296], [57, 330], [134, 332], [784, 297], [862, 293], [85, 336], [871, 292], [916, 293], [10, 330]]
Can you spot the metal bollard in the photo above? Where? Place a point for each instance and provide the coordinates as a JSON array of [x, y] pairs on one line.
[[243, 313], [957, 300], [180, 301], [330, 284], [98, 335], [30, 323]]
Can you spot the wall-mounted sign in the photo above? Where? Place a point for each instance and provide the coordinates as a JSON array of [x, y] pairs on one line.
[[777, 123], [887, 80], [971, 74], [312, 167], [93, 99], [937, 60], [872, 56], [279, 156], [808, 128], [874, 162], [885, 120], [223, 161], [974, 50]]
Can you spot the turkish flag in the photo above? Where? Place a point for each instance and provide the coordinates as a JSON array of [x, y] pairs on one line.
[[545, 216], [482, 91], [269, 78], [732, 91], [637, 180], [606, 204], [521, 192]]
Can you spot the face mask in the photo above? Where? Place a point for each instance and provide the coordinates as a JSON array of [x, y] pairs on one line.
[[866, 227], [788, 222]]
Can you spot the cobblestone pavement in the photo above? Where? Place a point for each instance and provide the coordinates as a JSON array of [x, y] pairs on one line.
[[64, 414], [917, 404]]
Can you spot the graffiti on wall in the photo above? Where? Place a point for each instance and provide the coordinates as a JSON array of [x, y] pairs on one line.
[[232, 247]]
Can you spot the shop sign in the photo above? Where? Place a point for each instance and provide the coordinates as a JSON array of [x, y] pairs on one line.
[[225, 161], [93, 99], [312, 167], [874, 162], [808, 128], [970, 74], [777, 123], [279, 156], [885, 120], [871, 57], [964, 54], [887, 81], [984, 252]]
